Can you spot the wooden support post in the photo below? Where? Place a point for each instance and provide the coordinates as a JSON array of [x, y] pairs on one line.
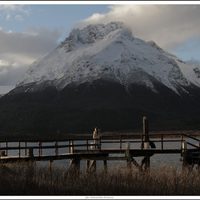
[[136, 164], [105, 166], [93, 166], [145, 164], [87, 166], [77, 165], [50, 171], [31, 169], [74, 167], [50, 165], [128, 156]]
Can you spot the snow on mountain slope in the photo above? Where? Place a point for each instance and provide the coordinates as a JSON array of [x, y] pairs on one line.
[[191, 72], [111, 52]]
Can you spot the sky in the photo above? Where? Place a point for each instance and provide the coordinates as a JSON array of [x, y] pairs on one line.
[[28, 32]]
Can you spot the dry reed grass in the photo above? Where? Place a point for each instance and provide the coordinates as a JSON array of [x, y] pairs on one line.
[[23, 179]]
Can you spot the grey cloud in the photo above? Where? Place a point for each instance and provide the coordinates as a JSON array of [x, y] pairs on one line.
[[10, 75], [168, 25], [19, 50], [32, 43]]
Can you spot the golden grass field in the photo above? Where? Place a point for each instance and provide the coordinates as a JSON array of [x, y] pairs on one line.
[[23, 179]]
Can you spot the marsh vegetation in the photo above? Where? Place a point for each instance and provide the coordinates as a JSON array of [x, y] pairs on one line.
[[29, 179]]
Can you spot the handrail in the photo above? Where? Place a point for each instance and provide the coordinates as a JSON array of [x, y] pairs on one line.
[[89, 144], [45, 147], [191, 137], [193, 145], [82, 137]]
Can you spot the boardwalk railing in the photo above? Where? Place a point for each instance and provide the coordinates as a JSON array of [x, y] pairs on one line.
[[54, 148]]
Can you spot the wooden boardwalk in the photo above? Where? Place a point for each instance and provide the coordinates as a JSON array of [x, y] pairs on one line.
[[104, 147], [114, 148]]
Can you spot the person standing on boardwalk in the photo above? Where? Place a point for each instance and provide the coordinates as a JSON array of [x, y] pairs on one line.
[[96, 138]]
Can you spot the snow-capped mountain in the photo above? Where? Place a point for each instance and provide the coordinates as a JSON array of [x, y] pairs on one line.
[[110, 52], [102, 75]]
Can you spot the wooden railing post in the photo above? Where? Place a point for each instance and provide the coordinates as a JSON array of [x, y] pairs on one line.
[[146, 132], [30, 153], [184, 154], [56, 148], [71, 145], [120, 142], [6, 148], [183, 146], [161, 142], [99, 145], [25, 148], [128, 156], [19, 149], [146, 160], [40, 148], [87, 144]]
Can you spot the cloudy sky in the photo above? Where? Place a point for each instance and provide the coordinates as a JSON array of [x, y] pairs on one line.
[[28, 32]]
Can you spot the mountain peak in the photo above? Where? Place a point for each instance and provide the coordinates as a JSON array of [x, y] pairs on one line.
[[91, 33]]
